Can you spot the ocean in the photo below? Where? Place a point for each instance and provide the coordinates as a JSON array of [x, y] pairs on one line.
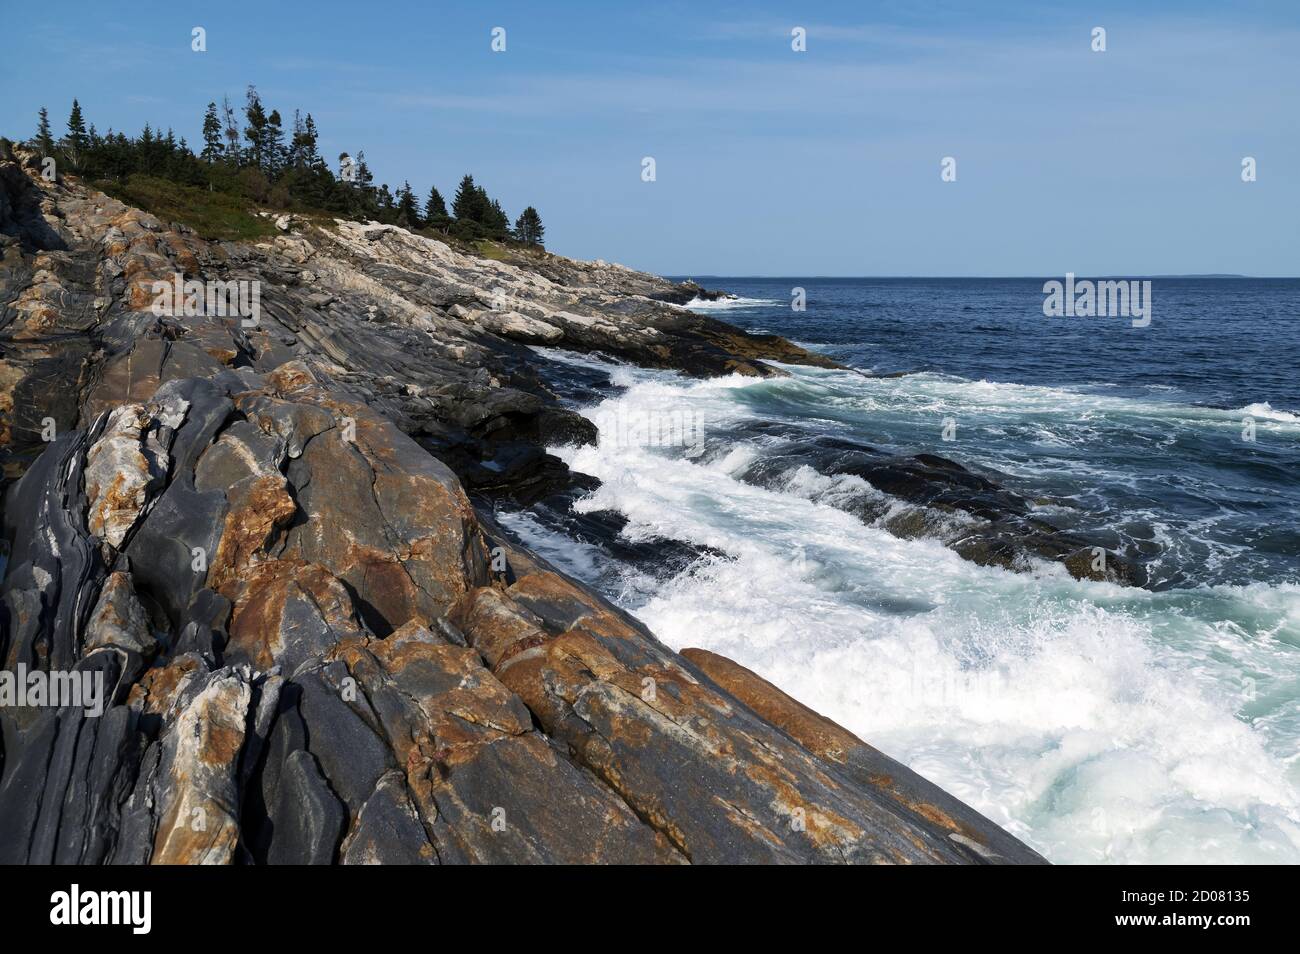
[[1098, 722]]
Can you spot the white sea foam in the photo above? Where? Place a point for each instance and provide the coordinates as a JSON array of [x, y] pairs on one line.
[[727, 304], [577, 359], [1098, 722], [1265, 410]]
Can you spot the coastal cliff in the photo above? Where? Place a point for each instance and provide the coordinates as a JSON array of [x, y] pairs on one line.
[[262, 530]]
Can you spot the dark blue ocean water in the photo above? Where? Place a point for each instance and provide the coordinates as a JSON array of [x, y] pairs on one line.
[[1226, 343], [1142, 433]]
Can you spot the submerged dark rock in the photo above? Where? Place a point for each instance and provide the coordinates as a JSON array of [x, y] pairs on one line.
[[316, 650], [926, 495]]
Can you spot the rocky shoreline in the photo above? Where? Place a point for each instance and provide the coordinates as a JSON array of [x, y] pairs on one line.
[[268, 540]]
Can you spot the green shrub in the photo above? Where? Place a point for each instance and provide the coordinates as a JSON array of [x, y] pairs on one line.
[[213, 215]]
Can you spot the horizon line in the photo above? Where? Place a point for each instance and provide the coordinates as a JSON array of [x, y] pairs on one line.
[[1217, 276]]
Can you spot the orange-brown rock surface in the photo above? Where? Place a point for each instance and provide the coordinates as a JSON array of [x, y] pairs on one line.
[[315, 648]]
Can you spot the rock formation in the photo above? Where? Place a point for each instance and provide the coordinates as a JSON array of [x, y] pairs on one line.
[[260, 532]]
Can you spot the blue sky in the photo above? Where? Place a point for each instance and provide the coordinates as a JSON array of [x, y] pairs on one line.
[[769, 162]]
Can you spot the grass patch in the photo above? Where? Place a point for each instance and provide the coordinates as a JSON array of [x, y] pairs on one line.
[[510, 251], [213, 215], [489, 249]]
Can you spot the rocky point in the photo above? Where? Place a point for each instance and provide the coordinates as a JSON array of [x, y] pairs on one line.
[[268, 538]]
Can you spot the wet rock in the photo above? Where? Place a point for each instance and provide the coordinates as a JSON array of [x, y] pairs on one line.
[[928, 496], [1098, 563], [970, 832], [636, 715]]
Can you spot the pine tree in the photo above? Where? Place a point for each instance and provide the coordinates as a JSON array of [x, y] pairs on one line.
[[211, 135], [482, 206], [310, 157], [408, 212], [302, 152], [44, 141], [293, 154], [255, 131], [273, 145], [77, 141], [495, 219], [465, 205], [231, 130], [384, 204], [435, 211], [147, 150], [528, 227], [366, 186]]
